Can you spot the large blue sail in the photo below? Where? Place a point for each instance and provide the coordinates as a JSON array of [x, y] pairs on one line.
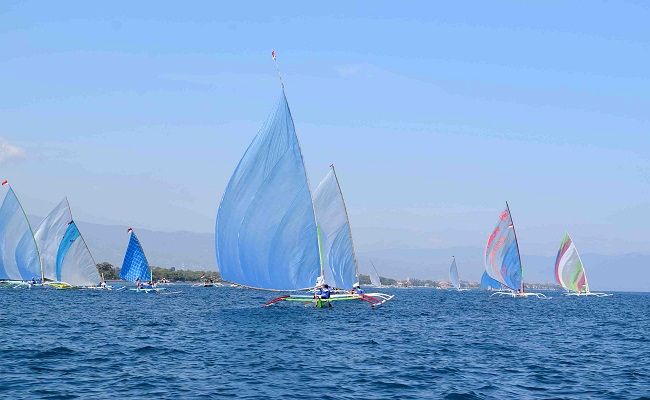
[[265, 233], [19, 257], [502, 261], [64, 253], [339, 262], [135, 265], [488, 283]]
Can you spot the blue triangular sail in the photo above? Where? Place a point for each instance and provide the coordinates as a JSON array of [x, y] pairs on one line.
[[265, 233], [135, 265], [340, 264], [19, 257]]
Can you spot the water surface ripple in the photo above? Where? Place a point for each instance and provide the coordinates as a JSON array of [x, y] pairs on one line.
[[218, 342]]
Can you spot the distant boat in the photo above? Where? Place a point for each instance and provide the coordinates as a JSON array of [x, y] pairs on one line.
[[266, 235], [135, 267], [487, 283], [570, 272], [20, 262], [453, 275], [375, 280], [66, 259], [502, 258]]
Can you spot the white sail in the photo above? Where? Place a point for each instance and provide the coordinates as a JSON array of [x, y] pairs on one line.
[[453, 274], [374, 276], [64, 253], [339, 263], [19, 258]]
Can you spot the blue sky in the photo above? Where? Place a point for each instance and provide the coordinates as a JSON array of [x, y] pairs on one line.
[[434, 114]]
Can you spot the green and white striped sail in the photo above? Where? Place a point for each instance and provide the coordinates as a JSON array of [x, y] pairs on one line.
[[569, 271]]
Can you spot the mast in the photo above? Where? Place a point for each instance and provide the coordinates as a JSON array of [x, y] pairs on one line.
[[521, 266], [347, 217], [302, 160]]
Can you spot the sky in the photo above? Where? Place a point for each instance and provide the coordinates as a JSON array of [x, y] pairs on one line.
[[435, 114]]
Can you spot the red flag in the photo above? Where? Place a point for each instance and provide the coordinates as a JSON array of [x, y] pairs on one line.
[[5, 182], [129, 230], [273, 54]]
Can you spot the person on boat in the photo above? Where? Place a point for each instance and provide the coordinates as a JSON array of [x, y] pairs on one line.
[[356, 289], [33, 282], [138, 283], [323, 292]]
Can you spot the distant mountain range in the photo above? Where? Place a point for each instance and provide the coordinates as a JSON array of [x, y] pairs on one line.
[[192, 250]]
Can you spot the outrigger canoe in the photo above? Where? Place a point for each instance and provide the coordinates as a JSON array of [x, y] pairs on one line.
[[374, 299]]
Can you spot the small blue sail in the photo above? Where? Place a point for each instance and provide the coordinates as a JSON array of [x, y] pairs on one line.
[[135, 265], [488, 283], [19, 257], [339, 263], [265, 232], [453, 274], [502, 261]]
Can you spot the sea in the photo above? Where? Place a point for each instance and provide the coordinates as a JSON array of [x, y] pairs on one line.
[[205, 343]]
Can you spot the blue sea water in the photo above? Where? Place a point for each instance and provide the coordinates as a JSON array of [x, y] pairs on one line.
[[219, 342]]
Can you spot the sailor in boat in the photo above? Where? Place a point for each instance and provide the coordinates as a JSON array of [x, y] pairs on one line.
[[138, 283], [356, 289], [323, 293]]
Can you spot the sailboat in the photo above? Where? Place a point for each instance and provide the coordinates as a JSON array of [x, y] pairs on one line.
[[570, 272], [375, 280], [66, 259], [340, 269], [502, 258], [20, 263], [135, 267], [453, 275], [487, 283], [266, 236]]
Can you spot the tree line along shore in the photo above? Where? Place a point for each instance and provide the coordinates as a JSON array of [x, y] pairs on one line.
[[110, 272]]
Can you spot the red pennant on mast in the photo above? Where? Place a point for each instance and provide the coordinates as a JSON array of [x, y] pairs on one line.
[[5, 182], [273, 54], [129, 230]]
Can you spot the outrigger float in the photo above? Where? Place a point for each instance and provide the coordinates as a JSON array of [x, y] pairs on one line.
[[374, 299], [270, 234]]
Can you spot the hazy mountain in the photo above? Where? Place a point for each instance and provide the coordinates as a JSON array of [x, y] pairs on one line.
[[193, 250]]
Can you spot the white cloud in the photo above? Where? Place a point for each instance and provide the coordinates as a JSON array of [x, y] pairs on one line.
[[10, 152]]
